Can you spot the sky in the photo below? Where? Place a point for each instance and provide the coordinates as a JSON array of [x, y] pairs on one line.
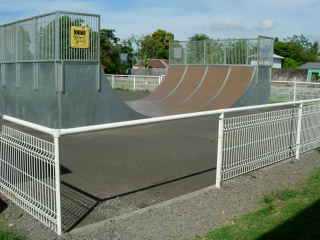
[[216, 18]]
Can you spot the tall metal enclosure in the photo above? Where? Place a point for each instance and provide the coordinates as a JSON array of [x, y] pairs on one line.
[[50, 75], [257, 52]]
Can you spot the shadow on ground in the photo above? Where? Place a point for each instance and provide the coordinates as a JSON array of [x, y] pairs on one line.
[[304, 226], [76, 206], [3, 205]]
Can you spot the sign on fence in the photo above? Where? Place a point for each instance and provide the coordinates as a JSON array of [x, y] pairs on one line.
[[80, 37]]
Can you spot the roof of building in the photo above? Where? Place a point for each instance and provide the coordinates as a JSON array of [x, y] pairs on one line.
[[158, 63], [277, 56], [310, 65]]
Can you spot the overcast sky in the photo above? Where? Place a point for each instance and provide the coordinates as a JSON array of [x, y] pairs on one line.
[[217, 18]]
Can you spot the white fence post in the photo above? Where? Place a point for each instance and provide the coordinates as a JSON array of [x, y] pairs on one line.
[[220, 151], [57, 181], [134, 82], [295, 90], [112, 81], [299, 129]]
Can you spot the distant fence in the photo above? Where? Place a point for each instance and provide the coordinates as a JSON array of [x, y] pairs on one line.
[[135, 82], [256, 51], [284, 91]]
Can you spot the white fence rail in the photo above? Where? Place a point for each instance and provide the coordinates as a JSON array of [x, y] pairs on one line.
[[135, 82], [282, 91], [248, 138]]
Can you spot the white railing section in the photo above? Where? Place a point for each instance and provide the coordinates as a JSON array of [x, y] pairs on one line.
[[257, 140], [135, 82], [248, 138], [310, 124], [28, 174], [282, 91], [252, 141]]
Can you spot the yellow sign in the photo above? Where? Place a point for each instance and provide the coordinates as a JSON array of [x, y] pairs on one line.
[[80, 37]]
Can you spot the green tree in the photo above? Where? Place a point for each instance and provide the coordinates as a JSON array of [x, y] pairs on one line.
[[199, 37], [290, 63], [296, 50], [111, 50], [156, 45], [196, 48]]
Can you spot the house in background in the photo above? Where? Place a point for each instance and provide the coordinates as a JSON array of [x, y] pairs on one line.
[[155, 67], [277, 61], [313, 69]]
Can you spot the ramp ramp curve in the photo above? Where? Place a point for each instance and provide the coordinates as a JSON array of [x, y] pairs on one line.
[[197, 88]]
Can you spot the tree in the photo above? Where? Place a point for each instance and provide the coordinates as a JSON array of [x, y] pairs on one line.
[[111, 50], [296, 50], [199, 37], [156, 45], [290, 63]]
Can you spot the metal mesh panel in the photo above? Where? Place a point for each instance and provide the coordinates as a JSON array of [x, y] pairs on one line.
[[283, 91], [229, 51], [47, 38], [134, 82], [69, 53], [265, 51], [34, 56], [27, 174], [310, 137], [254, 141]]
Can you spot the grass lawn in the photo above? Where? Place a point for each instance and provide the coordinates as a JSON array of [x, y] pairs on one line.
[[278, 99], [292, 214], [6, 234]]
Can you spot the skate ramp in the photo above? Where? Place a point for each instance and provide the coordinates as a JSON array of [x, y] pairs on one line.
[[173, 79], [200, 88], [238, 82]]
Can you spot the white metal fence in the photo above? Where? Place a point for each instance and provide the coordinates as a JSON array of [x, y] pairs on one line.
[[283, 91], [28, 174], [252, 141], [249, 138], [135, 82]]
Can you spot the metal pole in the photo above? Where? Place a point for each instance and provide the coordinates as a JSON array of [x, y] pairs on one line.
[[295, 90], [57, 183], [299, 127], [220, 151], [134, 82], [161, 79], [112, 81], [204, 52]]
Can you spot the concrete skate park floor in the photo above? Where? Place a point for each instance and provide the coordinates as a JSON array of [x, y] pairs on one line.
[[177, 138], [188, 143], [193, 142]]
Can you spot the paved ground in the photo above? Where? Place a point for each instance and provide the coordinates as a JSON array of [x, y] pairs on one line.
[[180, 218], [124, 160], [130, 95]]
